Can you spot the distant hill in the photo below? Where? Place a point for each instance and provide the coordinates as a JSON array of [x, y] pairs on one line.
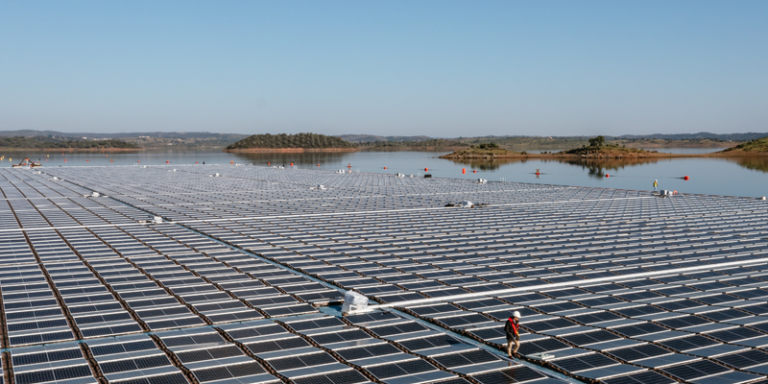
[[373, 138], [121, 135], [44, 142], [430, 143], [700, 135], [754, 146], [170, 140], [165, 140], [284, 141]]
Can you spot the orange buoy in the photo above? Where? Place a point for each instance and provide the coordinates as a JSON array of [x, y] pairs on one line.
[[685, 177], [232, 162], [195, 162], [607, 175], [463, 171], [385, 167], [167, 162], [474, 171], [138, 161], [291, 164], [65, 160], [111, 160], [86, 160], [318, 165], [426, 169], [269, 163]]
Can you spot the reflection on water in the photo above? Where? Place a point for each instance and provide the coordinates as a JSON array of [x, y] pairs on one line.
[[598, 167], [487, 164], [324, 158], [757, 163], [594, 167], [307, 158]]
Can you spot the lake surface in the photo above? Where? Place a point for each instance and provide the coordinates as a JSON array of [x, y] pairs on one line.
[[665, 150], [731, 177]]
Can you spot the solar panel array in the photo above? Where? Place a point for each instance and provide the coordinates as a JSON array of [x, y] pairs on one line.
[[614, 286]]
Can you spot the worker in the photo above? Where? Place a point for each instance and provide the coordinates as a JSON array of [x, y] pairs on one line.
[[512, 329], [655, 185]]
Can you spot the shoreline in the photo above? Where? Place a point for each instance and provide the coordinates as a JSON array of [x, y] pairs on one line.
[[607, 156], [542, 148], [71, 149]]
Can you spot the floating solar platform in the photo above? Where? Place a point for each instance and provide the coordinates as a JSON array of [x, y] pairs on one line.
[[223, 274]]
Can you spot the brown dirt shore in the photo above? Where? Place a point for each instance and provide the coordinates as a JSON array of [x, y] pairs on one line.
[[290, 150], [71, 150]]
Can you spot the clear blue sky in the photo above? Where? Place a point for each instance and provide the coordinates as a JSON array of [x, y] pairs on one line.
[[438, 68]]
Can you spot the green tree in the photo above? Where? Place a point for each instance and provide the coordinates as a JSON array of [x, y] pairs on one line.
[[597, 142]]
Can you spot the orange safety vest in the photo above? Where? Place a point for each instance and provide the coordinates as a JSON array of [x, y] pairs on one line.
[[515, 326]]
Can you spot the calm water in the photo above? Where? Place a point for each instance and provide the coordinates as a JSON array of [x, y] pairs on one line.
[[732, 177], [666, 150]]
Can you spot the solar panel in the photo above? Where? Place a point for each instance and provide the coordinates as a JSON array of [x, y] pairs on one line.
[[310, 324], [735, 334], [208, 354], [543, 345], [277, 345], [410, 367], [334, 337], [364, 236], [176, 378], [367, 351], [201, 339], [343, 377], [641, 329], [648, 377], [46, 354], [639, 352], [477, 356], [695, 370], [59, 374], [306, 360], [429, 342], [581, 363], [398, 329], [255, 331], [228, 371], [134, 364], [688, 343], [510, 375], [746, 359]]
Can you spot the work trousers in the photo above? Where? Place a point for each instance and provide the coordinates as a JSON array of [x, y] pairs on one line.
[[510, 343]]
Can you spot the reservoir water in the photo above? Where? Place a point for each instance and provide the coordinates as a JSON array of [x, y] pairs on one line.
[[746, 177]]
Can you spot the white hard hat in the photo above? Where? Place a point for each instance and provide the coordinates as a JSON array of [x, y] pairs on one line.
[[516, 314]]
